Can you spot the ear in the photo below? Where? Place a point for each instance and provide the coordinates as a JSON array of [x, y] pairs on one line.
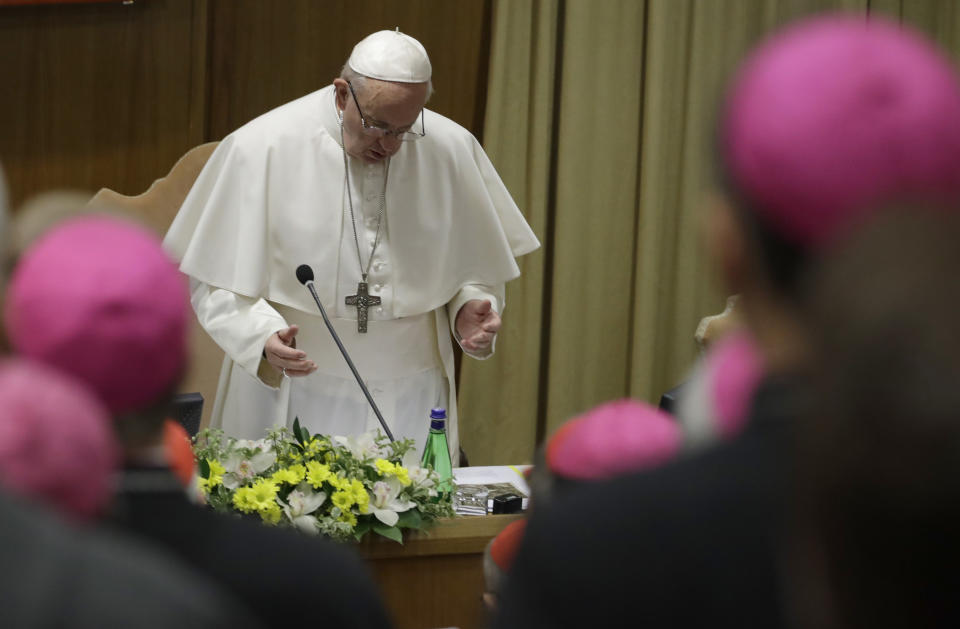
[[727, 243], [343, 93]]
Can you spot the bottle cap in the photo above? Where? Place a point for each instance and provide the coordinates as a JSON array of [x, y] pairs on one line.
[[438, 413], [438, 424]]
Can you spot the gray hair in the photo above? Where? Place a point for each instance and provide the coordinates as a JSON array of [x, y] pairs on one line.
[[359, 81]]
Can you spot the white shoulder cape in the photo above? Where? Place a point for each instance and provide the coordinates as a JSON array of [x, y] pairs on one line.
[[271, 198]]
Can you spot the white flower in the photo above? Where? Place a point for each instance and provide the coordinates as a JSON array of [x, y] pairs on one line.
[[385, 503], [240, 469], [363, 447], [301, 502], [419, 476], [261, 445]]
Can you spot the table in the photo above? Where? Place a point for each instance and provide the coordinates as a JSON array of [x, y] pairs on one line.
[[436, 578]]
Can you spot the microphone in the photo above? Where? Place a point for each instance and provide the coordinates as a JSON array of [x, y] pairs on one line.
[[305, 277], [304, 274]]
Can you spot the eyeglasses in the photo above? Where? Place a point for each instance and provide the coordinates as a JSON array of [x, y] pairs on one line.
[[406, 135]]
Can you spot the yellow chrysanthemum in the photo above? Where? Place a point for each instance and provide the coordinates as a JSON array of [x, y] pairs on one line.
[[271, 514], [402, 474], [343, 484], [289, 475], [349, 518], [203, 485], [313, 446], [330, 457], [360, 495], [263, 493], [243, 500], [216, 473], [386, 468], [317, 473], [342, 499]]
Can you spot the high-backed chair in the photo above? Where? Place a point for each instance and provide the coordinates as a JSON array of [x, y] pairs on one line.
[[156, 209]]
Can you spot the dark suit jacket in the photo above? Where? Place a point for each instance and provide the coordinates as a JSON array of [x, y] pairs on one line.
[[697, 543], [55, 575], [283, 576]]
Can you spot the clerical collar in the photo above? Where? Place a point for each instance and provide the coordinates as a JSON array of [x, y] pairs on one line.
[[328, 115]]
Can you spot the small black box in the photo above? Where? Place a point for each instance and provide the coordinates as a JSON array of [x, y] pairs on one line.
[[507, 503]]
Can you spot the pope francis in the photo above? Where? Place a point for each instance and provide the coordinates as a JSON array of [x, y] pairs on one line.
[[410, 232]]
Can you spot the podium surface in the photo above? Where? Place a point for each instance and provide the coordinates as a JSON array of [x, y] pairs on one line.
[[435, 579]]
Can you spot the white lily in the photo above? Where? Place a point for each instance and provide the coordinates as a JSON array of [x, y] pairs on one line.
[[362, 446], [238, 469], [385, 502], [301, 502], [419, 476]]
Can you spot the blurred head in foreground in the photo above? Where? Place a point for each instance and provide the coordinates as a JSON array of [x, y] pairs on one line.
[[880, 478], [56, 440], [99, 299], [611, 440], [829, 127], [827, 122], [40, 213]]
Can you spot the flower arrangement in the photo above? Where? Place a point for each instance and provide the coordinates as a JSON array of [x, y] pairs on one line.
[[341, 487]]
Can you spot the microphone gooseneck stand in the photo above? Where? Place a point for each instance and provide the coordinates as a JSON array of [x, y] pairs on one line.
[[305, 276]]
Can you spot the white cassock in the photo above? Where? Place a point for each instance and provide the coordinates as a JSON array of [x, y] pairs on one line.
[[272, 197]]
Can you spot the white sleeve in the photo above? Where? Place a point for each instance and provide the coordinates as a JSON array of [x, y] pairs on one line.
[[239, 325], [495, 294]]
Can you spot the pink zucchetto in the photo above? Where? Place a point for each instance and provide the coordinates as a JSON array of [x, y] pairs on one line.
[[98, 298], [838, 116], [612, 439], [735, 368], [56, 440]]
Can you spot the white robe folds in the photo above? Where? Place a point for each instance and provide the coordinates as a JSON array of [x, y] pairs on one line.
[[272, 197]]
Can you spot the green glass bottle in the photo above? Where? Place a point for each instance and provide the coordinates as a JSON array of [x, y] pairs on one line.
[[436, 452]]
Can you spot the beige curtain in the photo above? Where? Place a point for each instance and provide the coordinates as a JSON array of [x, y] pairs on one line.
[[500, 396], [600, 117]]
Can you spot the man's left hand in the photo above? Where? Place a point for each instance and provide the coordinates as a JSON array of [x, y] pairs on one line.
[[477, 324]]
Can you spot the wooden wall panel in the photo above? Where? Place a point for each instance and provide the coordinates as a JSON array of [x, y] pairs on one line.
[[112, 95], [264, 54], [100, 95]]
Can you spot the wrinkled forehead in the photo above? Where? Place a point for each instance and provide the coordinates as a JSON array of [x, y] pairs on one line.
[[377, 92], [394, 103]]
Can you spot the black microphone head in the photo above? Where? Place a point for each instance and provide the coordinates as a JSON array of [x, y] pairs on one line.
[[304, 274]]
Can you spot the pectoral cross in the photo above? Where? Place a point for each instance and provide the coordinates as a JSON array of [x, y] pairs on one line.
[[362, 300]]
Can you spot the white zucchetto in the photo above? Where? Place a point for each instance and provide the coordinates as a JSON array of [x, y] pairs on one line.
[[391, 56]]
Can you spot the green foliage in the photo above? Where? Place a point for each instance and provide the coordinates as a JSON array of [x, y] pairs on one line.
[[362, 529], [390, 532], [410, 520]]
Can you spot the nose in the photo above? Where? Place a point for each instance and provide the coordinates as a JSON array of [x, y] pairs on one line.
[[390, 143]]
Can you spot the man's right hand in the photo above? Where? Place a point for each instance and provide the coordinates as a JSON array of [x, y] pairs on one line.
[[281, 351]]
